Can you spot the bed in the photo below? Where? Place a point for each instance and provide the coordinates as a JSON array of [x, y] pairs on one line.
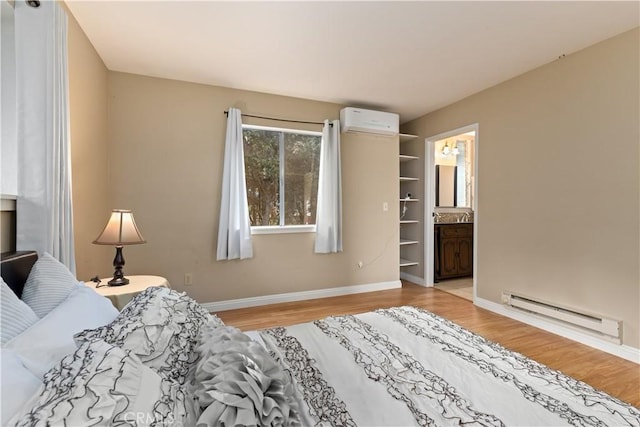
[[69, 358]]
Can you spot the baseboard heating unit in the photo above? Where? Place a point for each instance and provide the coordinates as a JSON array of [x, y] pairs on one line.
[[594, 323]]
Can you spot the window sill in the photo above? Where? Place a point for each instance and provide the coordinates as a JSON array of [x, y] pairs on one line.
[[277, 229]]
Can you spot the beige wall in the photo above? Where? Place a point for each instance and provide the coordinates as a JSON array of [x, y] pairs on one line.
[[166, 144], [558, 181], [89, 152]]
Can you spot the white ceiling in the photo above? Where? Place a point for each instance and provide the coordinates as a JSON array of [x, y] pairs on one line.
[[406, 57]]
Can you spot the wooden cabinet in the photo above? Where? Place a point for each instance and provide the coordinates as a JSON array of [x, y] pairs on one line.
[[453, 250]]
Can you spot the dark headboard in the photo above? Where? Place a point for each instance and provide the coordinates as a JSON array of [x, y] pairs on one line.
[[15, 268]]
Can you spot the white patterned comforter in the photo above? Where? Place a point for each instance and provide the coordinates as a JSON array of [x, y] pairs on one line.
[[406, 366], [165, 361]]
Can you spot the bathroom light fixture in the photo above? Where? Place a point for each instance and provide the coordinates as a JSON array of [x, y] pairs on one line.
[[455, 150], [447, 151], [120, 230]]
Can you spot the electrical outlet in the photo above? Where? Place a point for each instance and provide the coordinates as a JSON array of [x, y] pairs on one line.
[[188, 279], [385, 206]]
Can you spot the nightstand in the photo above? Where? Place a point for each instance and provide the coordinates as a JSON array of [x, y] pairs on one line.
[[121, 295]]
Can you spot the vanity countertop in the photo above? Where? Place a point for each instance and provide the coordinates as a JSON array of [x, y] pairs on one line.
[[453, 222], [464, 217]]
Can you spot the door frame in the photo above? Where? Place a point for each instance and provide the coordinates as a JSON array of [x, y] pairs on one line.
[[430, 197]]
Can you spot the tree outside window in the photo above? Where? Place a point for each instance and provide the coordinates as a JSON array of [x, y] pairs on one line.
[[281, 168]]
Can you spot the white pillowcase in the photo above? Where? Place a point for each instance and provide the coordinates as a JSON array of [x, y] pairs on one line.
[[49, 283], [51, 338], [18, 385], [15, 315]]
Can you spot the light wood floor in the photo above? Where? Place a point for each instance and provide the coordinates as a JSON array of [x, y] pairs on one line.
[[616, 376], [459, 287]]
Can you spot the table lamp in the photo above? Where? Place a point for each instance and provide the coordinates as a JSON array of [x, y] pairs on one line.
[[120, 230]]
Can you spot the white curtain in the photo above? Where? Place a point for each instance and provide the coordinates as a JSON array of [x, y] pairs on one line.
[[234, 229], [329, 209], [44, 206]]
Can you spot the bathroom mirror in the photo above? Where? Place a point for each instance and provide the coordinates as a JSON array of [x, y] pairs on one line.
[[446, 184], [454, 171]]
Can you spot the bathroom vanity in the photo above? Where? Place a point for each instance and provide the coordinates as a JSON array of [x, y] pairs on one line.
[[453, 250]]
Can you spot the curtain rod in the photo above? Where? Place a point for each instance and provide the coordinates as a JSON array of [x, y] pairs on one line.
[[226, 113]]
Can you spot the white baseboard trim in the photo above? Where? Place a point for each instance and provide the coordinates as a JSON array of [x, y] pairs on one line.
[[413, 279], [626, 352], [300, 296]]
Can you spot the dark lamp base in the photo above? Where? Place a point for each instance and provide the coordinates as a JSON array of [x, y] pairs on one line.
[[120, 281], [118, 275]]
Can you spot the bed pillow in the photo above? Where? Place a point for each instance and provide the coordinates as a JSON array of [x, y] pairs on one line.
[[237, 382], [49, 283], [161, 327], [101, 384], [49, 339], [18, 385], [15, 315]]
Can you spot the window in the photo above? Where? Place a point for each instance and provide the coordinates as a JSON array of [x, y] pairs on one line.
[[281, 168]]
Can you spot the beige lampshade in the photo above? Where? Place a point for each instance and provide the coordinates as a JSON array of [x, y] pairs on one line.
[[120, 230]]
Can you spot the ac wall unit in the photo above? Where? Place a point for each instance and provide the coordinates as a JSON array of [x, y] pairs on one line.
[[368, 121]]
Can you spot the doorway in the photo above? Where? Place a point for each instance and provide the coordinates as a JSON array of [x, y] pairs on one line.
[[451, 210]]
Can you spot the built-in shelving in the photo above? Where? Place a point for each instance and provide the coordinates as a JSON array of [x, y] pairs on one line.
[[408, 233]]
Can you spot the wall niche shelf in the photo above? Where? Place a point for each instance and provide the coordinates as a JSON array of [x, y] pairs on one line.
[[409, 221], [407, 263], [407, 158], [409, 237], [408, 242], [404, 137]]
